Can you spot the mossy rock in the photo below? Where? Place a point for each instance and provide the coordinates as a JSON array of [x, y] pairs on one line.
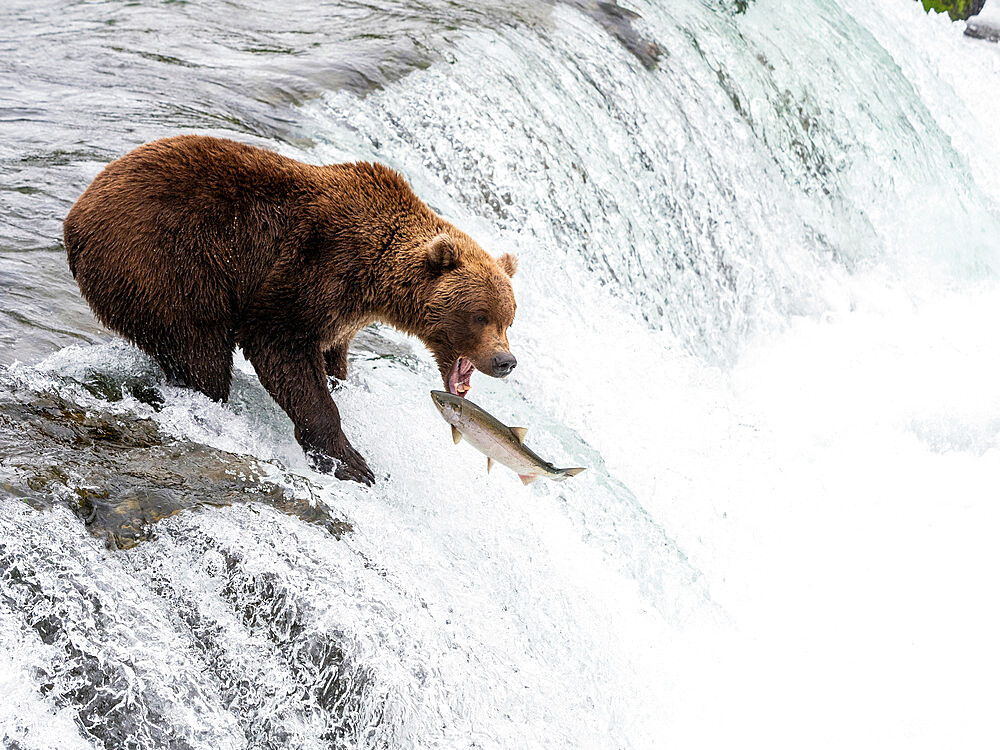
[[959, 10]]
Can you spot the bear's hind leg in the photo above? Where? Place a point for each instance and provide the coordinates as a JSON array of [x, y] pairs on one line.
[[203, 362], [336, 362]]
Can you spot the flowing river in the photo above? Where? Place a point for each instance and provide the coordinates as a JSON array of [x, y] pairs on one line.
[[758, 297]]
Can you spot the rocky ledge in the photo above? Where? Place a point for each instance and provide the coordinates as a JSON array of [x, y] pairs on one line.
[[983, 29]]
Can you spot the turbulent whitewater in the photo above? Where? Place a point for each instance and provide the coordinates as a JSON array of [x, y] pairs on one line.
[[757, 297]]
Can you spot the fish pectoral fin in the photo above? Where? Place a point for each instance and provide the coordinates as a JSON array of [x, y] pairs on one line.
[[571, 472], [527, 479], [519, 433], [456, 435], [489, 464]]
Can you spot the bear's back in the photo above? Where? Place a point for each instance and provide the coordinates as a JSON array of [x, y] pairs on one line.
[[182, 227]]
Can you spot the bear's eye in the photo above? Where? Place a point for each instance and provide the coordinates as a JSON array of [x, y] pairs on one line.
[[482, 320]]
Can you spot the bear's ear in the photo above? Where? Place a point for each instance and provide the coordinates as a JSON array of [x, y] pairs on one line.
[[442, 255], [508, 263]]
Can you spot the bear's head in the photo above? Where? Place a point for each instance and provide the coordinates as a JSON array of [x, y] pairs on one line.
[[470, 307]]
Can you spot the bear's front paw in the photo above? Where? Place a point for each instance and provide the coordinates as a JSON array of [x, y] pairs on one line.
[[348, 464], [353, 466]]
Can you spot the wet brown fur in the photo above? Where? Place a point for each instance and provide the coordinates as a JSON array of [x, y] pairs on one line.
[[189, 246]]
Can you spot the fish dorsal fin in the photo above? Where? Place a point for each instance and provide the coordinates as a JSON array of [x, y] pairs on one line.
[[527, 479], [456, 435], [519, 433], [489, 464]]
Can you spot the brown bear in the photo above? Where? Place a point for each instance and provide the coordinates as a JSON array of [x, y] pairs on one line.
[[190, 246]]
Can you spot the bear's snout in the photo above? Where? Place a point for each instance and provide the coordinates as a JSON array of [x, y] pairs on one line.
[[502, 364]]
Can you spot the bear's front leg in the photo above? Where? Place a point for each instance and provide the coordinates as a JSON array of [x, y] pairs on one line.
[[294, 373]]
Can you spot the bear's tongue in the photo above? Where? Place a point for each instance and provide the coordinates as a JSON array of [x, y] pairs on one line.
[[458, 378]]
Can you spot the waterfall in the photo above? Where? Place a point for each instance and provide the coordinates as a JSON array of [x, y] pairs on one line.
[[759, 257]]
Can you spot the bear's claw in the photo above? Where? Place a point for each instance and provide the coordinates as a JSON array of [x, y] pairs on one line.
[[354, 467], [349, 466]]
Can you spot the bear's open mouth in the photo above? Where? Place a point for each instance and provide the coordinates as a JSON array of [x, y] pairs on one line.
[[458, 378]]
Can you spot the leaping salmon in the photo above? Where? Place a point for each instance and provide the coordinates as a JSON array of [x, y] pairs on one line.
[[496, 440]]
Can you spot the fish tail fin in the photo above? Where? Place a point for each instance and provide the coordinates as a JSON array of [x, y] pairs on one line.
[[564, 473]]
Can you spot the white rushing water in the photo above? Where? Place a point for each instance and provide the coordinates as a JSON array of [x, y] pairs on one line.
[[757, 297]]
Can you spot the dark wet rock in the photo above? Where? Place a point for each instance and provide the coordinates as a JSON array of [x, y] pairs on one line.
[[983, 30], [120, 474], [142, 387], [736, 7], [620, 23]]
